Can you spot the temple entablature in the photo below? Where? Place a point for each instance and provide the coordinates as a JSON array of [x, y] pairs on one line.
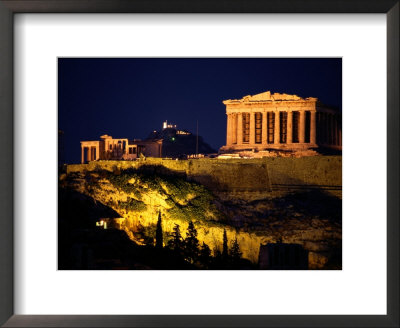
[[268, 97]]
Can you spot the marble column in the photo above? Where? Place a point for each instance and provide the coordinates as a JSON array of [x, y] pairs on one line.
[[302, 126], [82, 154], [252, 139], [313, 128], [234, 128], [97, 152], [289, 128], [264, 127], [228, 130], [240, 129], [276, 128]]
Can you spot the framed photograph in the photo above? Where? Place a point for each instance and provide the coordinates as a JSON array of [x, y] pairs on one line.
[[264, 193], [185, 162]]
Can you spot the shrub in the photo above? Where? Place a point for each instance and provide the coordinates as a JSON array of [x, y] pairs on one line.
[[133, 205]]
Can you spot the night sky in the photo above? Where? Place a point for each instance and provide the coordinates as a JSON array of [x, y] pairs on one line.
[[131, 97]]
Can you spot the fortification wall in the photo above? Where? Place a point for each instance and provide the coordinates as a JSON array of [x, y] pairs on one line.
[[274, 175]]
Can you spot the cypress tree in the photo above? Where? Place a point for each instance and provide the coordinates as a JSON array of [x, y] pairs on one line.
[[235, 252], [176, 242], [225, 246], [159, 232], [191, 243]]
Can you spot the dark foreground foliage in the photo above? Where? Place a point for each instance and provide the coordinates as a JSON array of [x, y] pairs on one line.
[[83, 246]]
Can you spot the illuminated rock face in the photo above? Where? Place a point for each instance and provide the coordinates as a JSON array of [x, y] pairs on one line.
[[253, 217], [277, 121]]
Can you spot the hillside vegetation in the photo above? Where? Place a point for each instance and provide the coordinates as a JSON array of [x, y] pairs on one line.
[[310, 218]]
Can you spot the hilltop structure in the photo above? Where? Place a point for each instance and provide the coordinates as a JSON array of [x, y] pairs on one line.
[[277, 121], [168, 142], [179, 143], [108, 148]]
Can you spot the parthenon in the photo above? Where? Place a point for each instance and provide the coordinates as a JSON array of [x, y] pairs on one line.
[[281, 121]]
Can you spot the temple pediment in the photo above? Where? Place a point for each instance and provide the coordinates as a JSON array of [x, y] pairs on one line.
[[267, 96]]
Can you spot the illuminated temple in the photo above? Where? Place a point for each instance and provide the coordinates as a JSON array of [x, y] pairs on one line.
[[269, 121], [109, 148]]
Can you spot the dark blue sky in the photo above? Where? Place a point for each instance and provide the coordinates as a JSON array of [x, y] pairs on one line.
[[130, 97]]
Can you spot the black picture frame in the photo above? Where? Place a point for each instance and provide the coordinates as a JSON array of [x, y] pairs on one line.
[[10, 7]]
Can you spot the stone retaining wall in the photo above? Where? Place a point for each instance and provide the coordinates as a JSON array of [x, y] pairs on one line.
[[274, 175]]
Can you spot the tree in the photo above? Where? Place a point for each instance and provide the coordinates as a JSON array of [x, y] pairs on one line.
[[159, 232], [235, 252], [176, 242], [205, 254], [142, 235], [191, 243], [225, 246]]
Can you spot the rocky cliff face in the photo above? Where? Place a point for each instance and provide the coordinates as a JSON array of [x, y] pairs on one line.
[[311, 218]]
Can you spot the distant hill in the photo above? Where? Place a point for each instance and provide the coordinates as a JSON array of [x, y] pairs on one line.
[[179, 143]]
